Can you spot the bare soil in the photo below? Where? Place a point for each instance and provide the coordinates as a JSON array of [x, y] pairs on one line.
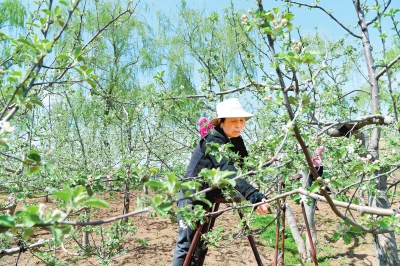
[[161, 233]]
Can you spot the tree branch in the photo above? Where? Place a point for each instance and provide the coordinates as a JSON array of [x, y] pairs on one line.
[[377, 16], [384, 70], [98, 222], [344, 217], [355, 124], [330, 15]]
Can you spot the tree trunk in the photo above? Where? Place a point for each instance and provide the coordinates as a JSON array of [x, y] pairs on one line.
[[385, 244], [291, 219]]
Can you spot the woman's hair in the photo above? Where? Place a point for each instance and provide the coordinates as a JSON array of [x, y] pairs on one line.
[[219, 129]]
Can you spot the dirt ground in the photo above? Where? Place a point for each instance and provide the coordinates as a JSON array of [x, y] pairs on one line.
[[160, 234]]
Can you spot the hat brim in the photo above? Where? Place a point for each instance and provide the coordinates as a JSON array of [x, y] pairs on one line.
[[216, 120]]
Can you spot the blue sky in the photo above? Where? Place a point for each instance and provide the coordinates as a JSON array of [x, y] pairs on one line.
[[307, 19]]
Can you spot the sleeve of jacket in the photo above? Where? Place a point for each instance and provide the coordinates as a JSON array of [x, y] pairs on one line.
[[242, 185]]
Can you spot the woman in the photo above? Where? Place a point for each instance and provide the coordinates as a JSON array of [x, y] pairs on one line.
[[228, 125]]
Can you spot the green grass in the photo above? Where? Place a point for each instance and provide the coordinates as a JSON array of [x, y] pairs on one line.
[[292, 256]]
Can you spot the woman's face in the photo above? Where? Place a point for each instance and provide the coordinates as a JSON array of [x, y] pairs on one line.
[[233, 127]]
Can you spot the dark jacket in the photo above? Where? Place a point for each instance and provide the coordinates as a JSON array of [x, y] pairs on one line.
[[202, 160]]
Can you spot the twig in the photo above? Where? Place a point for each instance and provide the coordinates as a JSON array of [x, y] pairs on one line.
[[374, 231], [98, 222]]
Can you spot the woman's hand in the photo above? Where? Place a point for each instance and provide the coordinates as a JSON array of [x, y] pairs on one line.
[[263, 209]]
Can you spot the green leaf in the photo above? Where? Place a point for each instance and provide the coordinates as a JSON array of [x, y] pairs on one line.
[[62, 195], [336, 236], [35, 157], [57, 233], [154, 183], [296, 198], [32, 209], [77, 191], [36, 100], [268, 30], [77, 52], [288, 16], [355, 229], [347, 238], [384, 223], [91, 83], [48, 167], [57, 10], [206, 201], [30, 220], [249, 27], [139, 203], [315, 188], [27, 233], [335, 183], [24, 41], [7, 221], [46, 11], [33, 170], [165, 207], [63, 57], [230, 182], [292, 100], [172, 179], [89, 191], [188, 185], [96, 202], [12, 79]]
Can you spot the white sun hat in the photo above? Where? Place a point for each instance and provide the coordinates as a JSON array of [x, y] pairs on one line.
[[230, 108]]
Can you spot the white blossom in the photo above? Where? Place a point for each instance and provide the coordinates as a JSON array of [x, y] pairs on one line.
[[182, 224], [350, 148], [42, 207], [5, 127], [59, 215]]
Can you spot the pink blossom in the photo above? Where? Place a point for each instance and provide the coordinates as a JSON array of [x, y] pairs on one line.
[[204, 125], [203, 131], [202, 121]]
